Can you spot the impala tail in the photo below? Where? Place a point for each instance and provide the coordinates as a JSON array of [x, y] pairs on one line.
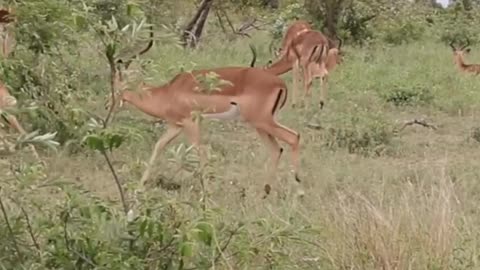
[[231, 114]]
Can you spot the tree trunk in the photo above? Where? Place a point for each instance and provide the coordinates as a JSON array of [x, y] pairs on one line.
[[273, 4], [200, 25], [188, 33], [332, 9]]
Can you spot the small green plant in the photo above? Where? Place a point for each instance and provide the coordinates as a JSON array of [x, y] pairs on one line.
[[361, 134], [403, 96], [210, 82], [476, 134]]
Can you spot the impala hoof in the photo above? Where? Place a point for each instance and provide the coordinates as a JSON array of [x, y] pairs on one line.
[[322, 104], [297, 178], [267, 190]]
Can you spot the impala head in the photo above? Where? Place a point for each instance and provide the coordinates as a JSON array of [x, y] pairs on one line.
[[460, 51], [6, 15], [335, 52], [128, 95]]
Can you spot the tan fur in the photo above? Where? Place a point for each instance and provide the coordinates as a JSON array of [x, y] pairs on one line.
[[292, 32], [256, 95]]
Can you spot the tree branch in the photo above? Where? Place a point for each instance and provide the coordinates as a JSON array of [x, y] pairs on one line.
[[421, 122], [9, 227]]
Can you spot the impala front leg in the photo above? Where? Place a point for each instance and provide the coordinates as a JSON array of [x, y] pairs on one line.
[[172, 132], [296, 75], [323, 90]]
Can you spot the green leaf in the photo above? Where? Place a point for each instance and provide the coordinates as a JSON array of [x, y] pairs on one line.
[[143, 227], [186, 249], [80, 21], [95, 142], [111, 50], [133, 10], [205, 233], [114, 141]]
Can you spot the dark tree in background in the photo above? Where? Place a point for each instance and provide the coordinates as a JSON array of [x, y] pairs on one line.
[[327, 11], [193, 30]]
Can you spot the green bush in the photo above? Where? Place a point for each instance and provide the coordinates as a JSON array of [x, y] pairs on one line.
[[404, 96]]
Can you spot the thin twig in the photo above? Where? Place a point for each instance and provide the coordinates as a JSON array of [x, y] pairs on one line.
[[10, 230], [117, 182], [67, 243], [29, 224], [113, 74], [226, 244], [420, 122]]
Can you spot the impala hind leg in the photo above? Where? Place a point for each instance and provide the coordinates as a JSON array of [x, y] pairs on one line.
[[323, 90], [292, 138], [172, 132], [192, 130], [276, 152]]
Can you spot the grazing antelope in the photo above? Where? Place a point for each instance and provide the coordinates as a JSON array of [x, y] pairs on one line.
[[253, 95], [316, 54], [298, 27], [7, 100], [458, 56]]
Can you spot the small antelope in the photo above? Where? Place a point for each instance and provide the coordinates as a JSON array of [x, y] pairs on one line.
[[458, 56], [316, 54], [7, 100]]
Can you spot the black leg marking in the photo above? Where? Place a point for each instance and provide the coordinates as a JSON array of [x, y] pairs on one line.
[[281, 150], [297, 178], [322, 104], [277, 101]]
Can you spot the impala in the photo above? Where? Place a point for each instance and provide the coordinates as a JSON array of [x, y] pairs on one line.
[[298, 27], [249, 94], [458, 56], [316, 54]]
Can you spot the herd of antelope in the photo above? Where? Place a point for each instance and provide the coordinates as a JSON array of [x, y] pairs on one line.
[[254, 94]]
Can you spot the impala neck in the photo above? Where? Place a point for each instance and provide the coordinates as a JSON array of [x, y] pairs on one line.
[[459, 61], [145, 101], [331, 62], [281, 66]]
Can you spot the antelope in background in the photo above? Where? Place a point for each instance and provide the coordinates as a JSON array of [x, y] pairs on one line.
[[7, 100], [458, 56], [310, 50]]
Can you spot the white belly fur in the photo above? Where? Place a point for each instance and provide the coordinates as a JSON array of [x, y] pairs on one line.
[[232, 114]]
